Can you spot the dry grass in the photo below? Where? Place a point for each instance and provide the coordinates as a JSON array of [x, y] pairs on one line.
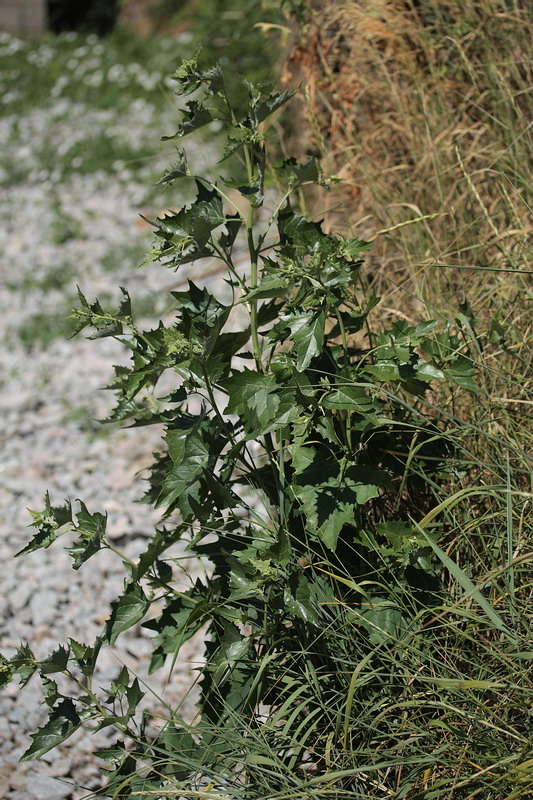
[[426, 112], [425, 109]]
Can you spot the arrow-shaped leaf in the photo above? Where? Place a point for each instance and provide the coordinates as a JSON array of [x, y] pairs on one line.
[[63, 721], [127, 610]]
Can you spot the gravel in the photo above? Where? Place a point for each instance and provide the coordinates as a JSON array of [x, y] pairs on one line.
[[49, 442]]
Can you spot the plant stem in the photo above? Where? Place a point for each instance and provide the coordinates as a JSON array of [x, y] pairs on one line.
[[256, 345], [119, 553], [346, 359]]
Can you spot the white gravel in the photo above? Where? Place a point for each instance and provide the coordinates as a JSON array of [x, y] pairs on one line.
[[48, 441]]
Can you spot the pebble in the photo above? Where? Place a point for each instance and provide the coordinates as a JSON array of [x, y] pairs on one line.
[[40, 787]]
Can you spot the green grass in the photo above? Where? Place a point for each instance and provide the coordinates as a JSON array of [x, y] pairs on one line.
[[77, 105], [43, 328], [102, 74]]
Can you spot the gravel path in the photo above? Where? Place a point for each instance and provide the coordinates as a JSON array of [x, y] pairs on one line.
[[54, 235]]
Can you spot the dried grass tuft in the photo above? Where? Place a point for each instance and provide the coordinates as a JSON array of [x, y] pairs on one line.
[[425, 110]]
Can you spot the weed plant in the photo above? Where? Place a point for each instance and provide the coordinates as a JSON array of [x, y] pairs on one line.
[[367, 574], [242, 35]]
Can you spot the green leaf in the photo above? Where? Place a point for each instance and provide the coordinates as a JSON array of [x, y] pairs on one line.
[[425, 370], [51, 691], [119, 686], [270, 285], [91, 529], [462, 373], [353, 249], [176, 752], [6, 671], [180, 169], [329, 491], [299, 600], [190, 454], [44, 537], [261, 403], [186, 233], [105, 322], [181, 618], [383, 620], [299, 232], [49, 523], [190, 77], [347, 397], [265, 105], [55, 662], [384, 371], [24, 664], [85, 655], [306, 329], [63, 721], [400, 535], [295, 173], [160, 541], [126, 611], [233, 648], [242, 135], [200, 308], [308, 338], [195, 116], [134, 695]]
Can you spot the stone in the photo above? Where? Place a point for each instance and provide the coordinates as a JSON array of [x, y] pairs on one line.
[[41, 787]]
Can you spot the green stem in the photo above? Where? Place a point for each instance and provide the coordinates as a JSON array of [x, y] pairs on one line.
[[104, 713], [118, 553], [345, 348], [256, 345], [281, 489]]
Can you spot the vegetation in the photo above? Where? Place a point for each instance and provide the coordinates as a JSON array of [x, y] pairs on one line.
[[44, 84], [355, 473], [424, 110], [236, 33]]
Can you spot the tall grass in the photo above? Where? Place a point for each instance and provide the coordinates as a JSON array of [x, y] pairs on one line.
[[425, 110]]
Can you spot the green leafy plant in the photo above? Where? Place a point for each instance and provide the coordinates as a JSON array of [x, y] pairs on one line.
[[302, 460]]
